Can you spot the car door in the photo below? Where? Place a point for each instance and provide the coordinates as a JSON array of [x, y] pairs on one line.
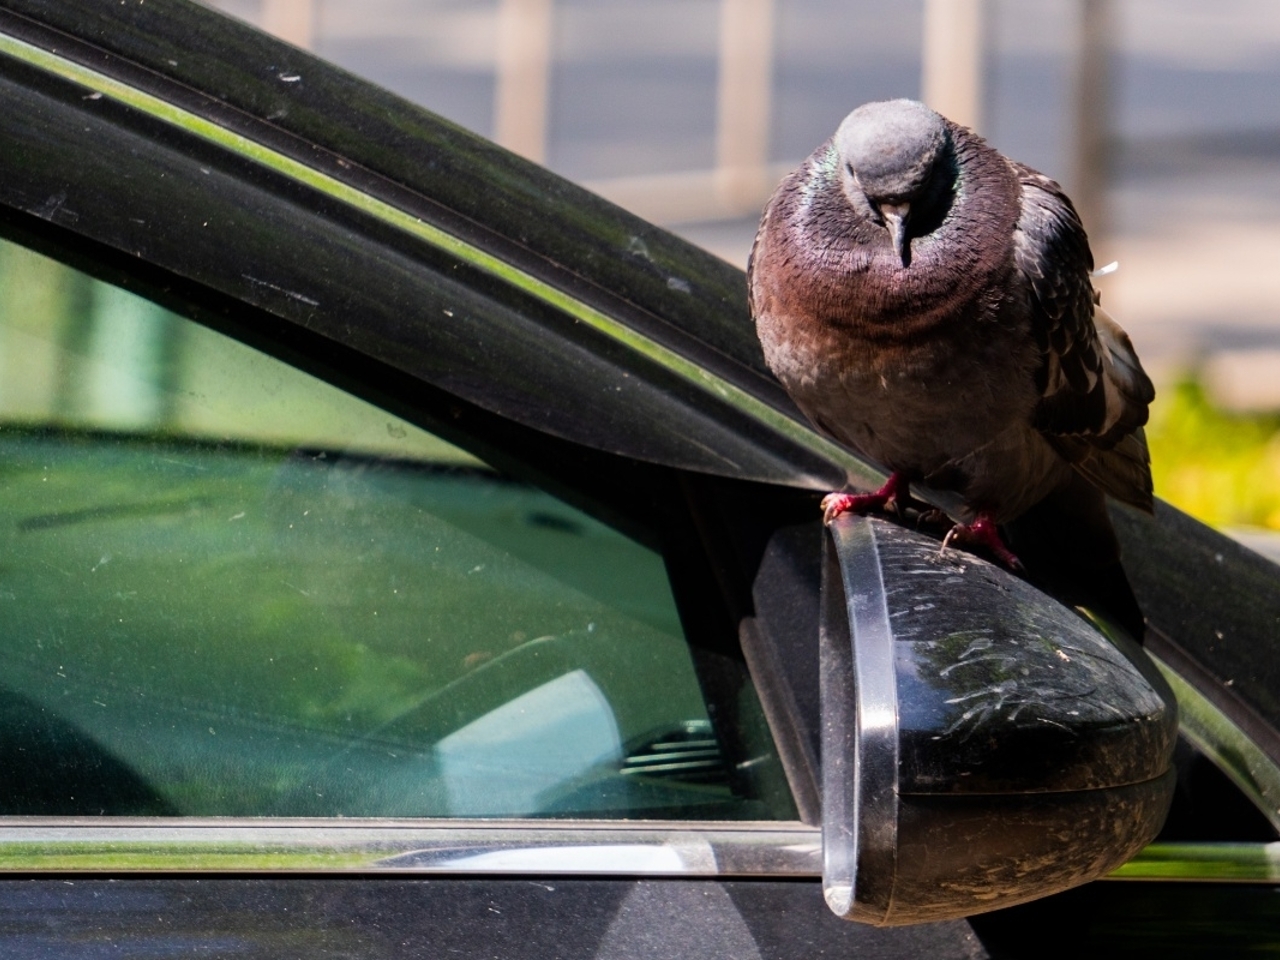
[[402, 547]]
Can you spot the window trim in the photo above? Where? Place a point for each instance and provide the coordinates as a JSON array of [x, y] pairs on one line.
[[473, 847], [781, 850]]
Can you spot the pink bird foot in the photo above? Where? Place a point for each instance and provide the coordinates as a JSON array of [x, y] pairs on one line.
[[983, 533], [834, 504]]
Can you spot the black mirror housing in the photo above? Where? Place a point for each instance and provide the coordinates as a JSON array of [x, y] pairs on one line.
[[982, 744]]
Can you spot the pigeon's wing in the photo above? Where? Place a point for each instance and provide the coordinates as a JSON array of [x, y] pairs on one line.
[[1094, 392]]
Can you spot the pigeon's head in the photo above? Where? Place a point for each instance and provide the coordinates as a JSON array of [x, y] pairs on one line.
[[892, 156]]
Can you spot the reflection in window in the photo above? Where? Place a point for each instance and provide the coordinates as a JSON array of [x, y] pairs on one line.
[[228, 588], [516, 758]]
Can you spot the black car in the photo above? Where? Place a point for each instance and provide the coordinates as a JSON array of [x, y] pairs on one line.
[[404, 551]]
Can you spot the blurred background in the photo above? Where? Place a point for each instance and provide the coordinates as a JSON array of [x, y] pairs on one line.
[[1160, 117]]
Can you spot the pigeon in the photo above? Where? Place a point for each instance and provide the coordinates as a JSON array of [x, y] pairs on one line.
[[929, 303]]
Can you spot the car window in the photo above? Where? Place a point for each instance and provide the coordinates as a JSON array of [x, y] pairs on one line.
[[228, 588]]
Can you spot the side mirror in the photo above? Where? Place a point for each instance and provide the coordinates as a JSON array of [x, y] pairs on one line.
[[982, 745]]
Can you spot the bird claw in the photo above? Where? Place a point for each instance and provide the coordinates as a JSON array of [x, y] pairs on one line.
[[835, 504], [983, 533]]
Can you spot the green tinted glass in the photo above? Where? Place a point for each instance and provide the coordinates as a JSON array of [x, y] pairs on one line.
[[228, 588]]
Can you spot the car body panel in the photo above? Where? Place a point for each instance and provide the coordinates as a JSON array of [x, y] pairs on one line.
[[528, 917], [180, 154]]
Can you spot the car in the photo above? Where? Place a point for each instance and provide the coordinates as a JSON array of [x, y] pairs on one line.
[[405, 551]]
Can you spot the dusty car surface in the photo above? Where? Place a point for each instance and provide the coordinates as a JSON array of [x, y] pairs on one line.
[[402, 548]]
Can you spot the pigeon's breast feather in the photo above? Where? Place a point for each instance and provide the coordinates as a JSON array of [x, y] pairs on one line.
[[914, 366]]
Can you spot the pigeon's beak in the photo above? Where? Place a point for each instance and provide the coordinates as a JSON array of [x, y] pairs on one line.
[[895, 218]]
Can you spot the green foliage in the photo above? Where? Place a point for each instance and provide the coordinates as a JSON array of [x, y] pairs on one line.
[[1220, 467]]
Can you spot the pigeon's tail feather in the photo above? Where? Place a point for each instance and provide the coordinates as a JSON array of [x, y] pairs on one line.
[[1129, 389], [1113, 455], [1124, 470]]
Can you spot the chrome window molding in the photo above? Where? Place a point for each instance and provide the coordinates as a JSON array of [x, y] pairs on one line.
[[31, 845], [859, 472], [579, 848], [1205, 863]]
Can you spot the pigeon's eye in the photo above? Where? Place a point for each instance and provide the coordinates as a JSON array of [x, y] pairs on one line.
[[849, 167]]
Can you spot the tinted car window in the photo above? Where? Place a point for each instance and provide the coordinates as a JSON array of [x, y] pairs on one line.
[[229, 588]]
